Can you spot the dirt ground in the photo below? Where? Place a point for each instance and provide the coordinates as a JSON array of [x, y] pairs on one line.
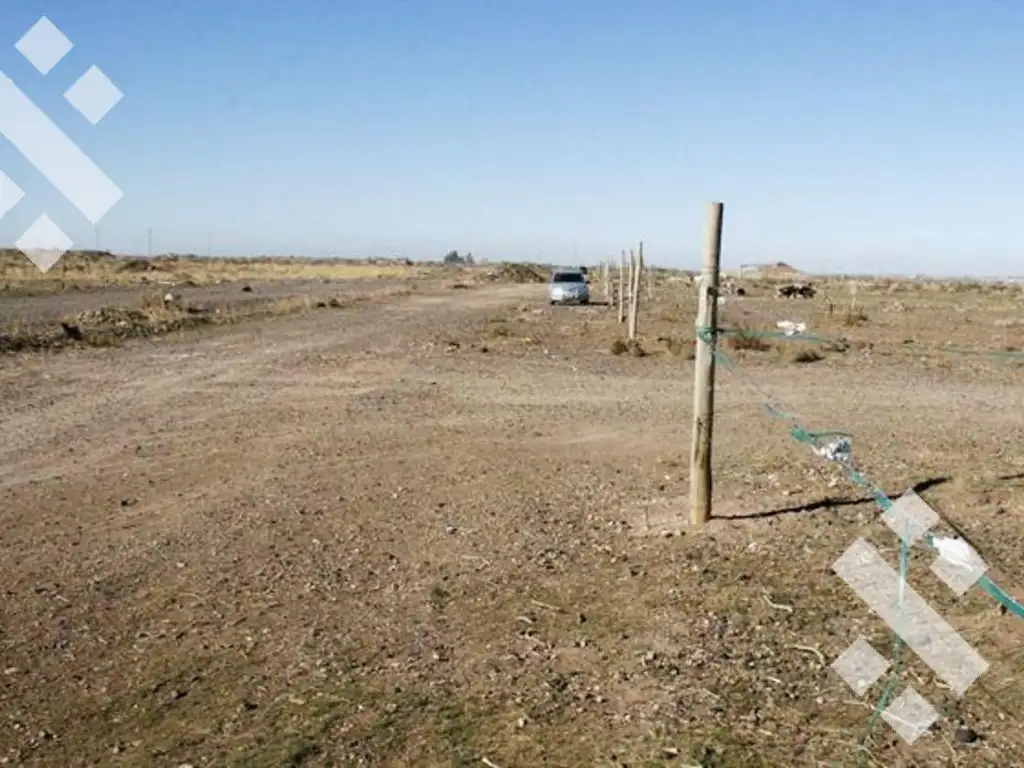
[[446, 528], [51, 307]]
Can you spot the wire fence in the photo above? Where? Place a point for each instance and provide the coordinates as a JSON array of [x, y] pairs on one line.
[[837, 447]]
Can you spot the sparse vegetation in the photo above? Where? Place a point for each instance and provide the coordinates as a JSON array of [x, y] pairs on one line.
[[806, 356], [111, 326], [88, 269], [854, 317], [748, 341], [630, 347]]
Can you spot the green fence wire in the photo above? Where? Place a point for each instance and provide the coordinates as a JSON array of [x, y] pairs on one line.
[[843, 344]]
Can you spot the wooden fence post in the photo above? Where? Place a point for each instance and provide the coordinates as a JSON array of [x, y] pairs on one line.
[[637, 260], [622, 287], [606, 279], [629, 288], [648, 282], [704, 372]]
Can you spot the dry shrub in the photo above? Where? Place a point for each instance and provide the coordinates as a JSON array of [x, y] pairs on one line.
[[747, 340], [509, 272], [854, 317], [677, 347], [630, 346], [635, 349], [806, 355]]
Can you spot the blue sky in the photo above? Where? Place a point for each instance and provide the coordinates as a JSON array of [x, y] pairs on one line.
[[843, 135]]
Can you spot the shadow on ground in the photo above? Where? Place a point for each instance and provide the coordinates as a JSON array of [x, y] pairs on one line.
[[834, 502]]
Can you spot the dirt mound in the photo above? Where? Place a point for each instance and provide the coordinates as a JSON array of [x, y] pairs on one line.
[[139, 265], [780, 269], [508, 272]]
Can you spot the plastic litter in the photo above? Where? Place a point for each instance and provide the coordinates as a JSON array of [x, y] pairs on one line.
[[956, 552], [791, 328], [840, 450]]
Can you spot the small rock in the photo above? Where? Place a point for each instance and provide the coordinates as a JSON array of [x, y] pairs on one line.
[[965, 735]]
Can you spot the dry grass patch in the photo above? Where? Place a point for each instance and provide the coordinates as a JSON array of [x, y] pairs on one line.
[[804, 356], [855, 317], [86, 269], [156, 316], [628, 347], [748, 341], [676, 346]]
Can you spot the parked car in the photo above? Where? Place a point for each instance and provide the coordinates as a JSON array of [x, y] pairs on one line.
[[569, 287]]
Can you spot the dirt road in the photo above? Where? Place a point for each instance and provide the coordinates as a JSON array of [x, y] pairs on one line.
[[379, 536]]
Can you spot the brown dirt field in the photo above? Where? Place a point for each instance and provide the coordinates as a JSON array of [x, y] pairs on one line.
[[434, 530]]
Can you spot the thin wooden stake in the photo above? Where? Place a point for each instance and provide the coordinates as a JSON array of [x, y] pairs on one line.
[[704, 372], [637, 260], [648, 282], [622, 287], [629, 304]]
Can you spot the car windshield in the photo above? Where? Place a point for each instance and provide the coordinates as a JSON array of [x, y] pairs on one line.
[[567, 277]]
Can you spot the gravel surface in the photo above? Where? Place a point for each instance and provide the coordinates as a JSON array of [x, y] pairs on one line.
[[447, 529]]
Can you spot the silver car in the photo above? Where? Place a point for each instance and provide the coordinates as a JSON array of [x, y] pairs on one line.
[[569, 287]]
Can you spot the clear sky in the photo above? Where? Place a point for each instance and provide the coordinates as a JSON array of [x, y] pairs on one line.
[[842, 135]]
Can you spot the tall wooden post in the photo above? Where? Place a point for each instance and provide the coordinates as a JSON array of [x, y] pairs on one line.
[[637, 260], [648, 282], [622, 287], [606, 279], [704, 372]]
